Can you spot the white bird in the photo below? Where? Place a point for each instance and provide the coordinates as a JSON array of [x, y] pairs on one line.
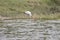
[[28, 13]]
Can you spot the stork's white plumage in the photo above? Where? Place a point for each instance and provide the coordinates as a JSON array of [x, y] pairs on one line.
[[28, 12]]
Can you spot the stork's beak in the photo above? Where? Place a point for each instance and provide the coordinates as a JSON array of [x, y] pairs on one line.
[[31, 16]]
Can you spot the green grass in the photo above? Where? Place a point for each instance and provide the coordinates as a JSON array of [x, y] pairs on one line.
[[39, 8]]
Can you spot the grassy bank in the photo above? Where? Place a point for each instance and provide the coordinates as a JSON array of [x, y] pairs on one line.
[[43, 9]]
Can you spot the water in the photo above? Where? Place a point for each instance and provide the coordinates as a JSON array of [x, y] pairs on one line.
[[29, 29]]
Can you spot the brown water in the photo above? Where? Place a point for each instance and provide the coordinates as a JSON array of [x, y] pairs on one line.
[[29, 29]]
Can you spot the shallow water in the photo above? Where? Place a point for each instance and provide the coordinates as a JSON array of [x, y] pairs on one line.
[[29, 29]]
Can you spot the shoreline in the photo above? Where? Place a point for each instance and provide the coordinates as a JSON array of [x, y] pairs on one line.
[[34, 16]]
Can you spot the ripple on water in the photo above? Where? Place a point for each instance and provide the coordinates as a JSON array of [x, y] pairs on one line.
[[29, 29]]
